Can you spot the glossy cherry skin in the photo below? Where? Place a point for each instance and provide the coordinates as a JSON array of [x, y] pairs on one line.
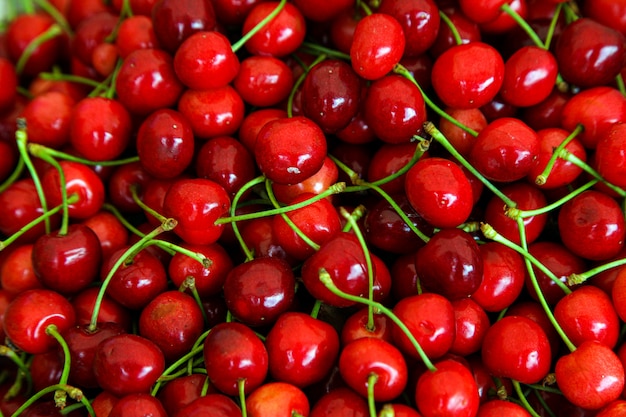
[[357, 326], [147, 82], [30, 313], [495, 408], [420, 23], [589, 53], [135, 32], [450, 264], [377, 46], [257, 292], [439, 191], [82, 343], [127, 364], [450, 390], [610, 158], [174, 21], [592, 225], [121, 183], [430, 319], [471, 323], [613, 409], [233, 353], [388, 160], [529, 76], [68, 262], [196, 204], [254, 121], [263, 81], [588, 314], [340, 402], [110, 310], [317, 183], [137, 405], [173, 321], [47, 117], [468, 75], [331, 92], [181, 391], [290, 150], [590, 377], [16, 271], [165, 144], [277, 399], [460, 139], [505, 150], [609, 13], [301, 349], [527, 197], [213, 404], [516, 347], [368, 356], [281, 36], [503, 277], [112, 234], [394, 109], [597, 109]]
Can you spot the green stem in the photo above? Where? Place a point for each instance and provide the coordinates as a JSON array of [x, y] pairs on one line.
[[24, 371], [576, 279], [57, 76], [315, 311], [372, 378], [241, 387], [322, 50], [552, 27], [149, 210], [15, 175], [542, 178], [523, 24], [38, 149], [58, 17], [523, 400], [74, 393], [570, 157], [298, 83], [453, 30], [190, 284], [246, 37], [53, 331], [619, 80], [53, 31], [65, 219], [328, 282], [515, 213], [233, 207], [174, 366]]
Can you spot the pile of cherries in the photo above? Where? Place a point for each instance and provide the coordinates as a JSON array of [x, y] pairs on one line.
[[313, 208]]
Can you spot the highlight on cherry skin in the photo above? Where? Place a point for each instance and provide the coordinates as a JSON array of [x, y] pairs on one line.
[[303, 208]]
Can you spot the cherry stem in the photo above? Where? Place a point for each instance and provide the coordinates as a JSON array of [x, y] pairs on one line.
[[53, 31], [541, 178], [233, 207], [453, 30], [190, 284], [570, 157], [126, 255], [52, 330], [58, 76], [237, 45], [619, 80], [326, 279], [24, 371], [552, 27], [322, 50], [38, 149], [298, 83], [522, 398], [575, 279], [365, 7], [571, 12], [506, 8], [315, 311], [515, 213], [15, 175], [149, 210], [73, 392], [371, 326], [356, 214], [241, 387], [58, 17], [290, 223], [164, 377], [436, 134], [372, 378]]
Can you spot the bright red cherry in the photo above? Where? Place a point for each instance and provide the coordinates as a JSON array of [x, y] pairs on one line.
[[529, 76], [610, 155], [48, 118], [495, 408], [281, 36], [263, 81], [277, 399], [471, 324]]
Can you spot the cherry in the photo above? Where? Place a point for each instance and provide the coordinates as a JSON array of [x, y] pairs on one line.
[[430, 319], [16, 271], [587, 313], [137, 281], [468, 30], [612, 409], [232, 13], [263, 81], [370, 360], [111, 233], [259, 291], [214, 112], [529, 76], [609, 155], [590, 377], [82, 344], [301, 349], [146, 81], [127, 364], [358, 325], [234, 355], [30, 313], [388, 160], [174, 21], [342, 29], [165, 144], [440, 192], [608, 13], [181, 392], [214, 404], [592, 226], [340, 402], [48, 118], [173, 320], [290, 150], [535, 312], [468, 75], [471, 323], [496, 408], [317, 183], [196, 204], [135, 32], [394, 109], [45, 369], [420, 23], [589, 53], [136, 405], [9, 78], [110, 311], [516, 347], [503, 277], [281, 36], [482, 11], [330, 94], [260, 238], [322, 11], [254, 121], [277, 399], [19, 205], [68, 262], [450, 264], [124, 181], [461, 140], [450, 389], [377, 45]]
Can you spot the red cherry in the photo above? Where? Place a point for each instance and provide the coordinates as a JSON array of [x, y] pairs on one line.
[[516, 347], [112, 234], [181, 392], [8, 92], [592, 225], [590, 377], [471, 324], [127, 364], [440, 192], [30, 313], [136, 405], [449, 390], [301, 350], [196, 204], [277, 399], [495, 408], [110, 310], [135, 32], [317, 183], [460, 139], [609, 13], [259, 291], [214, 404], [610, 157], [263, 81], [281, 36], [387, 160], [232, 13], [16, 271], [340, 402], [377, 46], [290, 150], [468, 30], [121, 183], [48, 118], [420, 23], [482, 11], [613, 409], [529, 76], [468, 75], [367, 356], [176, 20], [234, 353], [254, 121], [322, 11], [357, 326]]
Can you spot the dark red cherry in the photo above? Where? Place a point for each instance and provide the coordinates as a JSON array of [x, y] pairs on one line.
[[420, 23], [136, 405], [213, 404], [340, 402], [110, 310], [174, 20], [182, 391]]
